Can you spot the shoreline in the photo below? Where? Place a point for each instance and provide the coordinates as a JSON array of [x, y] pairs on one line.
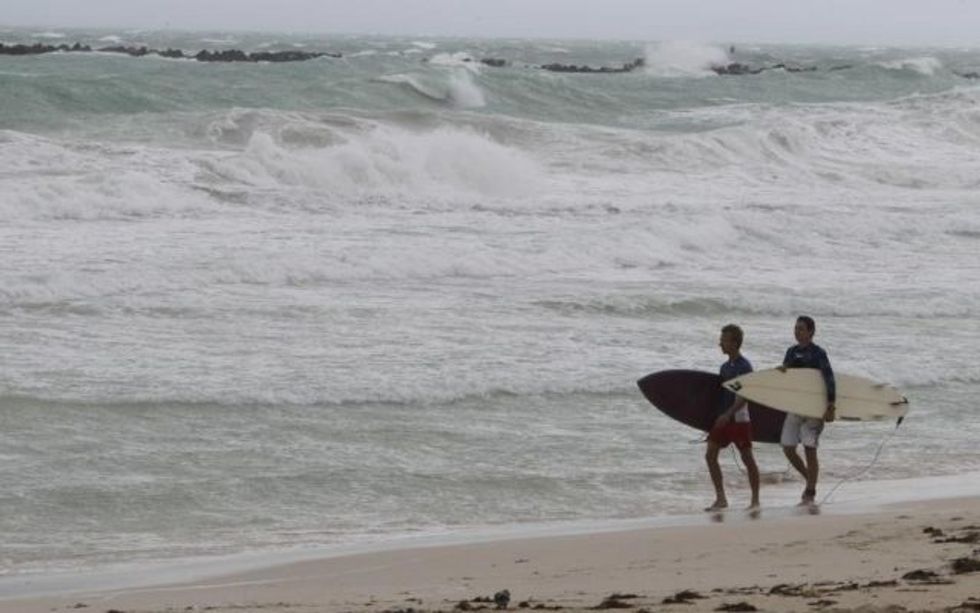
[[872, 497], [847, 555]]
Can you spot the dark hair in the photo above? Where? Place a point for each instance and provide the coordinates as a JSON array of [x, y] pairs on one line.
[[808, 322], [735, 332]]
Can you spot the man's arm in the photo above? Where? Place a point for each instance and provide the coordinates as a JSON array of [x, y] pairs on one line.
[[831, 383], [729, 413], [786, 359], [828, 376]]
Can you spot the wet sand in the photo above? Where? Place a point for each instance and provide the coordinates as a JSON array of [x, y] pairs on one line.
[[916, 556]]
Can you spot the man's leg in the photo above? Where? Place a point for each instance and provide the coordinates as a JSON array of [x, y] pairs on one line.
[[714, 469], [753, 469], [795, 460], [812, 472]]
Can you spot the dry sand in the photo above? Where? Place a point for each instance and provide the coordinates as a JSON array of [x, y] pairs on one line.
[[896, 559]]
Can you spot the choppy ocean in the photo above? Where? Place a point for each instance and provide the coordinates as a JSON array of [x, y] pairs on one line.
[[248, 307]]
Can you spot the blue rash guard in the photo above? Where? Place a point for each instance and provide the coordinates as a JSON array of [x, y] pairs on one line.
[[813, 356], [730, 370]]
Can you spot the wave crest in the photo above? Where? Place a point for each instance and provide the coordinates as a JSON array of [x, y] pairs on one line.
[[926, 66], [684, 59], [386, 159]]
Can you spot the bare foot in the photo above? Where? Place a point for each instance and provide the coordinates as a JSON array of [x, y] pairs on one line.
[[717, 505], [808, 499], [755, 506]]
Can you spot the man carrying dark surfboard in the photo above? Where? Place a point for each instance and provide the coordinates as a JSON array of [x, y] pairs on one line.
[[733, 424], [804, 430]]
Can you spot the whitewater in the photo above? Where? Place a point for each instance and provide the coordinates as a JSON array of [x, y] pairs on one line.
[[254, 307]]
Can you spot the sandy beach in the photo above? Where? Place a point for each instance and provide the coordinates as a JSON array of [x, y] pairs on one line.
[[917, 556]]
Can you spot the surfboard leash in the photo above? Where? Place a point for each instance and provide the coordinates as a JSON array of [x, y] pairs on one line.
[[881, 446]]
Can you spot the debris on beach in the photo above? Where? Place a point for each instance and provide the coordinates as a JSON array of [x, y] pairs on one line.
[[616, 601], [965, 565], [539, 606], [683, 597], [920, 575], [737, 606]]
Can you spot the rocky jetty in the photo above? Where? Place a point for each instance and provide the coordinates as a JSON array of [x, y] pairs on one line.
[[736, 68], [234, 55], [229, 55], [38, 48], [494, 62], [628, 67], [733, 68]]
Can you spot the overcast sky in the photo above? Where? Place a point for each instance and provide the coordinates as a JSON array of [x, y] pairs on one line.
[[907, 22]]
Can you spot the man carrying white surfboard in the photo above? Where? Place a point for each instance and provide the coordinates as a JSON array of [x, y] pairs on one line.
[[805, 430]]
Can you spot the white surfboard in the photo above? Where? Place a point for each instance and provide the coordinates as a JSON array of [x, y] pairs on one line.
[[802, 391]]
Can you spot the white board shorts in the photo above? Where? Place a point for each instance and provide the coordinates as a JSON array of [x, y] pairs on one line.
[[798, 429]]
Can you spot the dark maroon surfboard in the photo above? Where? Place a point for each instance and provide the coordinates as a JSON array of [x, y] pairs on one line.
[[693, 397]]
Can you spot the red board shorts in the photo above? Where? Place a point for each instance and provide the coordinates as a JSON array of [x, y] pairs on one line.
[[739, 433]]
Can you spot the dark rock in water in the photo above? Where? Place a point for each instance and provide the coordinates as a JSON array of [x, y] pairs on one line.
[[841, 67], [229, 55], [736, 68], [37, 49], [494, 62], [236, 55], [289, 56], [968, 75], [628, 67], [131, 51], [502, 599], [794, 68]]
